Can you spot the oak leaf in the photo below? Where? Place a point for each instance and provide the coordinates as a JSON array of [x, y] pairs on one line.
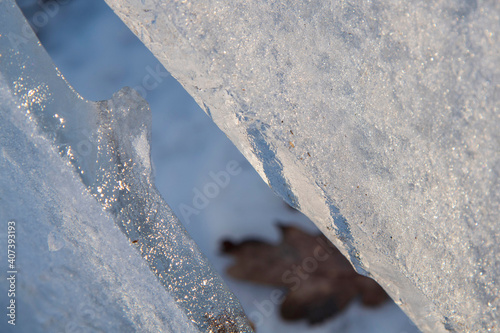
[[320, 281]]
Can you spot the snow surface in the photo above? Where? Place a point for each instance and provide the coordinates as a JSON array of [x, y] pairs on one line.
[[385, 113], [99, 55], [98, 247]]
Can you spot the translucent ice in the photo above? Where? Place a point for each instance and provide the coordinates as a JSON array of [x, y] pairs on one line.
[[380, 121], [98, 248]]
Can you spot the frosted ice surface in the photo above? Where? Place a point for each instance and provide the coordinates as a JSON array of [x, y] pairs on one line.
[[98, 248], [76, 271], [380, 121]]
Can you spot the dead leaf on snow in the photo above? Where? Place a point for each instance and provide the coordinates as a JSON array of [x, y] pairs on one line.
[[319, 279]]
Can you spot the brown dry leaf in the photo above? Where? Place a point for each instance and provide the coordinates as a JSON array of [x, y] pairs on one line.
[[319, 279]]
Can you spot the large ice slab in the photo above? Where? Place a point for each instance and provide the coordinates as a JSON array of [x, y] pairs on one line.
[[97, 247], [377, 120]]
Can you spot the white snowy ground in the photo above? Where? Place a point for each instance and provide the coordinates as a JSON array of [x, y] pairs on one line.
[[98, 55]]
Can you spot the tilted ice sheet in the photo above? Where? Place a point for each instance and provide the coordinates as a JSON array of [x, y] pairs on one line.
[[76, 271], [378, 120], [76, 177]]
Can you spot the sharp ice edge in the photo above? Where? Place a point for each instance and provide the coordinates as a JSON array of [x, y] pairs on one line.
[[386, 112], [76, 269], [80, 257]]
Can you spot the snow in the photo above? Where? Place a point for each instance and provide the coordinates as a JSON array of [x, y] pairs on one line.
[[99, 249], [75, 270], [379, 121]]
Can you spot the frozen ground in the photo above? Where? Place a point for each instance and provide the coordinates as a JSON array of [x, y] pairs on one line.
[[98, 55]]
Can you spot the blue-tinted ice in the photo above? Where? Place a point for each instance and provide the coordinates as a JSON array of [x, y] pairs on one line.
[[97, 247], [378, 120]]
